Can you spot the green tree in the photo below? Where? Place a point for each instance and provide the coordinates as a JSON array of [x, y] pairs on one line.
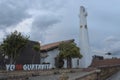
[[13, 44], [59, 62], [69, 50]]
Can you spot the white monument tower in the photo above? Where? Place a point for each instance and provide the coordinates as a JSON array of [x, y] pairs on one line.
[[84, 40]]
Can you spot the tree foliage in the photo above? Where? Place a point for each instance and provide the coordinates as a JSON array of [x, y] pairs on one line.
[[13, 44], [69, 50], [36, 47]]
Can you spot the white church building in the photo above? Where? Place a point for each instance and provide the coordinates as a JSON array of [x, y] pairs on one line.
[[50, 51]]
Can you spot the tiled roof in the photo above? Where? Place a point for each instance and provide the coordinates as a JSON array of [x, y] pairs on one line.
[[105, 63], [51, 46]]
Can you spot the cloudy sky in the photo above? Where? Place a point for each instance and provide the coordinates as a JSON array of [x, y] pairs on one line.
[[55, 20]]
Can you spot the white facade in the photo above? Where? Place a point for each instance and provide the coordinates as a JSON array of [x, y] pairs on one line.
[[51, 59], [75, 63], [84, 40]]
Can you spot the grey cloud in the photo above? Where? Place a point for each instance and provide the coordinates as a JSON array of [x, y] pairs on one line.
[[111, 39], [37, 35], [115, 48], [41, 24], [12, 12], [45, 21], [112, 44], [52, 5]]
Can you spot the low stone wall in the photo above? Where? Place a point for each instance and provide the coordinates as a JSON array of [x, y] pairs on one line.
[[24, 75], [107, 72], [101, 73]]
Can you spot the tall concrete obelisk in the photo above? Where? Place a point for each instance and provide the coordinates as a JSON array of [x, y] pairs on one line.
[[84, 40]]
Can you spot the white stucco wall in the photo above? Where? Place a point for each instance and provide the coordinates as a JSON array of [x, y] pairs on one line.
[[75, 63], [51, 59], [65, 63]]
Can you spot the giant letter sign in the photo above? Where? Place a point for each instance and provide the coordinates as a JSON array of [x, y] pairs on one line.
[[27, 67]]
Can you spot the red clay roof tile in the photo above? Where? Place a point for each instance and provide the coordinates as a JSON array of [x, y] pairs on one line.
[[50, 46]]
